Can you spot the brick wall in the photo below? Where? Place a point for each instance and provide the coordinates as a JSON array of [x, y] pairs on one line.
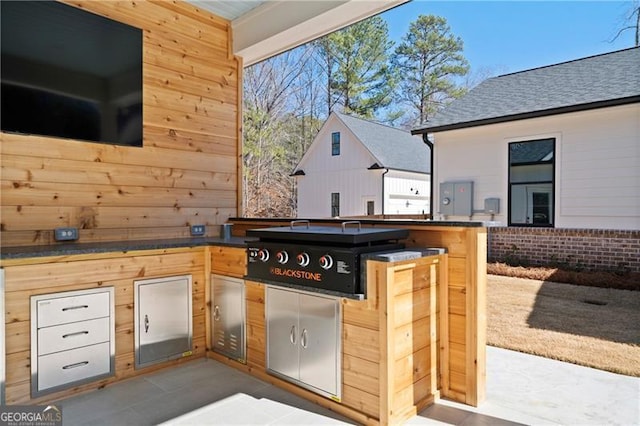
[[588, 249]]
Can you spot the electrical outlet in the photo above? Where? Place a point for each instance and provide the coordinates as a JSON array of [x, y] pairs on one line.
[[197, 230], [66, 234]]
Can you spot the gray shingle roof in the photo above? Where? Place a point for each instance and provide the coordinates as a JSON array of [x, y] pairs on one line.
[[593, 82], [392, 148]]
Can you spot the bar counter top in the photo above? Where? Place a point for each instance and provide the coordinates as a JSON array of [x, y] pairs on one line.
[[75, 248], [387, 223]]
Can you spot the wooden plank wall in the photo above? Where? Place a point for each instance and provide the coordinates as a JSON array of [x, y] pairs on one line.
[[24, 278], [390, 340], [462, 354], [411, 324], [256, 325], [185, 173]]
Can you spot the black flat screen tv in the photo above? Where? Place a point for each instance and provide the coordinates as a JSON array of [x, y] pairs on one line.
[[69, 73]]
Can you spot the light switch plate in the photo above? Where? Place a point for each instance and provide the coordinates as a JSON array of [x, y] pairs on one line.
[[198, 230], [66, 234]]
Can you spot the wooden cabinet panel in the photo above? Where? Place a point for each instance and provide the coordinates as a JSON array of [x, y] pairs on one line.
[[361, 374], [256, 345], [50, 275], [412, 368], [360, 314], [229, 261], [361, 342], [361, 401], [410, 338], [412, 306], [256, 327]]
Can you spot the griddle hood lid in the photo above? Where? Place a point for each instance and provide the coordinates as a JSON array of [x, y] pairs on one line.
[[348, 233]]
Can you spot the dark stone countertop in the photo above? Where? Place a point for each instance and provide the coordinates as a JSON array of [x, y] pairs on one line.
[[73, 248], [386, 222]]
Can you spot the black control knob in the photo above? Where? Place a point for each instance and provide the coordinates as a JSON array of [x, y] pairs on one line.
[[326, 261], [263, 255], [282, 257], [302, 259]]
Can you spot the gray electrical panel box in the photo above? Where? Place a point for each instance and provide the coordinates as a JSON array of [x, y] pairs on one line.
[[492, 205], [456, 198]]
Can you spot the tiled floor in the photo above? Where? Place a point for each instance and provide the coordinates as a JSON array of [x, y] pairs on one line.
[[521, 389], [167, 394]]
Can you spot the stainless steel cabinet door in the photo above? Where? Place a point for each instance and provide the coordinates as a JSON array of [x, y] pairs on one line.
[[163, 319], [228, 316], [283, 332], [319, 343]]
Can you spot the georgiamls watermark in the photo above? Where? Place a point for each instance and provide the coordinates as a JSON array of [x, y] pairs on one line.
[[30, 415]]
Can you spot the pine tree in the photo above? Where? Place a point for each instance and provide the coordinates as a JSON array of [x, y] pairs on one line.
[[356, 66], [427, 59]]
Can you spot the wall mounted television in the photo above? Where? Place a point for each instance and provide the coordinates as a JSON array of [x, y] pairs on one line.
[[69, 73]]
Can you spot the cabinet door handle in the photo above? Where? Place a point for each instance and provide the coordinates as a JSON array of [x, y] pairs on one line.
[[303, 338], [72, 308], [79, 333], [76, 365], [292, 335], [146, 323], [216, 313]]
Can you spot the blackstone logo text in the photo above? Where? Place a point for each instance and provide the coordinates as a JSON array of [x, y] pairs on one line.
[[30, 415], [297, 273]]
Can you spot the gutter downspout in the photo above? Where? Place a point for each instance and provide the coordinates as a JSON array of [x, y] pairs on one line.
[[426, 140], [383, 174]]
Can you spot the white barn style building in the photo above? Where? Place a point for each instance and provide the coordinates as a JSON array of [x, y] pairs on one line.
[[356, 167], [546, 151]]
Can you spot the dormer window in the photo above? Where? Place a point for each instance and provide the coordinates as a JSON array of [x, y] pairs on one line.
[[335, 143]]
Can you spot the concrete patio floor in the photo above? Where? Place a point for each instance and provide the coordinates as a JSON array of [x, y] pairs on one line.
[[521, 389]]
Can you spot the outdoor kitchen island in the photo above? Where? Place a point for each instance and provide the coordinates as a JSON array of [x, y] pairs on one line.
[[418, 334]]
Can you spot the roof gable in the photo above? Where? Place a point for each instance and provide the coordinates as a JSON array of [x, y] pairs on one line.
[[390, 148], [319, 146], [593, 82], [393, 148]]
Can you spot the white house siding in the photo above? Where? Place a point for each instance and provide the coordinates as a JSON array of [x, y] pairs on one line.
[[345, 173], [406, 193], [597, 176], [314, 192]]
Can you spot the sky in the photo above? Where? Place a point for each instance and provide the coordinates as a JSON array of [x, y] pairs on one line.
[[509, 36]]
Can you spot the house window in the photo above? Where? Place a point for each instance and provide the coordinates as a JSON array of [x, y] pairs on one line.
[[335, 143], [531, 182], [335, 204]]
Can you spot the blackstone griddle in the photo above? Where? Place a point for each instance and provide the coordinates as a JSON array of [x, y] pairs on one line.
[[317, 258]]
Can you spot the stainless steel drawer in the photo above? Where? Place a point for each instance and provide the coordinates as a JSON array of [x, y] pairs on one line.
[[62, 310], [74, 335], [62, 368]]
